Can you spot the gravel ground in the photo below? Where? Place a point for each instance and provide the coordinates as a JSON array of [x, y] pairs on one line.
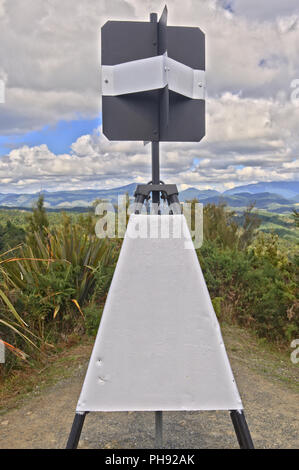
[[44, 421]]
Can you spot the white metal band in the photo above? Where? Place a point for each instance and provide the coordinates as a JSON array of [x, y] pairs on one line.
[[153, 73]]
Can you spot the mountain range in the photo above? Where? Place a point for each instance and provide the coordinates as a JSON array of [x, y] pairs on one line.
[[273, 196]]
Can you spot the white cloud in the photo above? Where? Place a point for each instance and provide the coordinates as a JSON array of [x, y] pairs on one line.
[[267, 10], [50, 52], [50, 57], [247, 140]]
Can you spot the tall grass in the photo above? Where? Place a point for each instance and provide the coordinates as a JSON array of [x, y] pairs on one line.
[[45, 283]]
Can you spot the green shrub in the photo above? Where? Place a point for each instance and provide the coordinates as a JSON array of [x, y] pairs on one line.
[[49, 280], [259, 292], [93, 314]]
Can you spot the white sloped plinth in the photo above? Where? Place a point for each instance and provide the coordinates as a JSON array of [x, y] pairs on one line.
[[159, 345]]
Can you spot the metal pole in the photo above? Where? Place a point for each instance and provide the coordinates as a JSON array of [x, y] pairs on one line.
[[241, 429], [155, 170], [153, 17], [155, 144], [75, 433], [159, 429]]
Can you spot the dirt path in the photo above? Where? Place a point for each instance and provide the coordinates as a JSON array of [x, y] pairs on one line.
[[271, 409]]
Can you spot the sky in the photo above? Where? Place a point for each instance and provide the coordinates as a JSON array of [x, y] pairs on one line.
[[50, 123]]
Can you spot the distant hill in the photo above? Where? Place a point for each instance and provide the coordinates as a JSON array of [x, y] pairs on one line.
[[66, 199], [287, 189], [261, 201], [295, 199], [194, 193], [274, 196]]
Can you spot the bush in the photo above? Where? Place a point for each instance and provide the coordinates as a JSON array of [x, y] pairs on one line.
[[256, 286], [49, 280], [10, 236], [93, 314]]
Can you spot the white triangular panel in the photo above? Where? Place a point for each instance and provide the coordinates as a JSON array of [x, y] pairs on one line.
[[159, 345]]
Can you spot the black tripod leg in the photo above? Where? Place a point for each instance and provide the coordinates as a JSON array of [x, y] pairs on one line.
[[241, 429], [159, 429], [174, 204], [76, 430]]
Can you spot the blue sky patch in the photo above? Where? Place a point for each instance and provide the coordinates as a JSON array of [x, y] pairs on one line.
[[227, 5], [58, 138]]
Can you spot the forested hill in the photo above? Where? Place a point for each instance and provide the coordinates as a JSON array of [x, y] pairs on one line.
[[280, 197]]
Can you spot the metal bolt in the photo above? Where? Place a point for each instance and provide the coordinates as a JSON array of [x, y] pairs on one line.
[[106, 81]]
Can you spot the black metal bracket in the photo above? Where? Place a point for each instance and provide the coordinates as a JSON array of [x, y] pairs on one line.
[[168, 192]]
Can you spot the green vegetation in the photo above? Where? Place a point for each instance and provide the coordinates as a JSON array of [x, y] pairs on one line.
[[8, 233], [251, 278], [47, 282], [280, 224], [296, 218], [55, 275]]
